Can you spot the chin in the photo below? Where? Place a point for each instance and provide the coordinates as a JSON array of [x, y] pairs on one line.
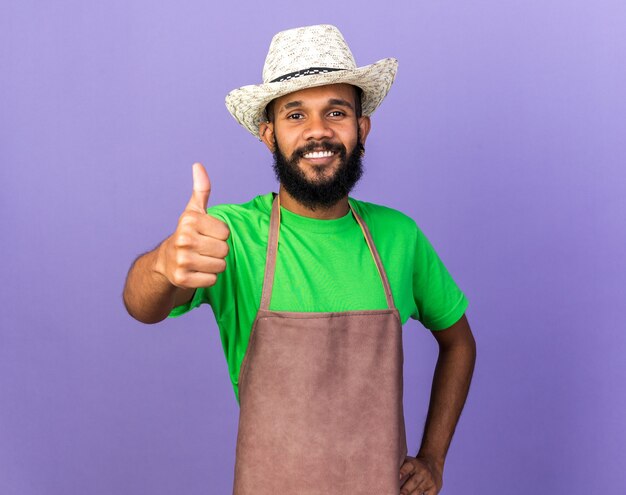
[[319, 173], [320, 179]]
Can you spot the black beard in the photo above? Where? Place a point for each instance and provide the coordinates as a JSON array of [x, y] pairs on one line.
[[322, 193]]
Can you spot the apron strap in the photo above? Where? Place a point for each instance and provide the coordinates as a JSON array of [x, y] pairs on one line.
[[376, 256], [270, 258], [272, 249]]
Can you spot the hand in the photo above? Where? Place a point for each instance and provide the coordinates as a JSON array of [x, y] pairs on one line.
[[195, 253], [420, 476]]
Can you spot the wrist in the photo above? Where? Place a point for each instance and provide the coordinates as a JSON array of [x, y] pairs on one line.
[[434, 460], [158, 263]]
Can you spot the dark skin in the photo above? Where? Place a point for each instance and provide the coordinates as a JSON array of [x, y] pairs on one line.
[[194, 256], [451, 382], [315, 114]]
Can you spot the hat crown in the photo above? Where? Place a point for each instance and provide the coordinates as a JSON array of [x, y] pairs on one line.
[[305, 47]]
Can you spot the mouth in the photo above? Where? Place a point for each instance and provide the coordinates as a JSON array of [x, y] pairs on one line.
[[314, 155]]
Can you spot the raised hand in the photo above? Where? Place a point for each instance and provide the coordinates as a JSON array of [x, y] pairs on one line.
[[195, 253]]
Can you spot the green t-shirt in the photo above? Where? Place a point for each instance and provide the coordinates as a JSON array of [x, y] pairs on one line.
[[324, 266]]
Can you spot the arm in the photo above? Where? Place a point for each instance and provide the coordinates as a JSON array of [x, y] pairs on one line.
[[451, 381], [190, 258], [148, 294]]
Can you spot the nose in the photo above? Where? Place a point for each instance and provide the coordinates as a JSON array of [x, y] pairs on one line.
[[318, 128]]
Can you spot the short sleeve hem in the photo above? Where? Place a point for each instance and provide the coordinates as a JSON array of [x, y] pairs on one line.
[[195, 301], [450, 318]]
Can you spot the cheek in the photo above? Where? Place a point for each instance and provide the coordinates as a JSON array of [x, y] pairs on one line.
[[349, 141], [348, 131], [285, 148], [287, 144]]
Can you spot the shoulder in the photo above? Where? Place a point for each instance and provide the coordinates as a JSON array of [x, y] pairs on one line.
[[382, 218], [250, 212]]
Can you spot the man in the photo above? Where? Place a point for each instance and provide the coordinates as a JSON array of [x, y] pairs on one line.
[[310, 288]]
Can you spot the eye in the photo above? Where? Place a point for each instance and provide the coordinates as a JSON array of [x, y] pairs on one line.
[[336, 113], [295, 116]]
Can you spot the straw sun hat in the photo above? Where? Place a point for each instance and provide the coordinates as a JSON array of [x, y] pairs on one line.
[[303, 58]]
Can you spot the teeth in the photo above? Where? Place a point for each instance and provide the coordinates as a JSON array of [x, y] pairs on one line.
[[319, 154]]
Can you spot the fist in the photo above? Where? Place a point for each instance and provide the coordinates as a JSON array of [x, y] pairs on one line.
[[195, 253], [420, 476]]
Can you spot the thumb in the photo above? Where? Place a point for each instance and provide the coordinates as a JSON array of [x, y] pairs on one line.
[[201, 189]]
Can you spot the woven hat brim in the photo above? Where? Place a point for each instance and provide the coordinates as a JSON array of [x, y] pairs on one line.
[[247, 104]]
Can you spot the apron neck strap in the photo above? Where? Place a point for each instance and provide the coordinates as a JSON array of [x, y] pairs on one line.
[[272, 249], [270, 258]]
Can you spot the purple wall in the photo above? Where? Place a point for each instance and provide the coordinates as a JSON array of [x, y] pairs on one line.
[[503, 136]]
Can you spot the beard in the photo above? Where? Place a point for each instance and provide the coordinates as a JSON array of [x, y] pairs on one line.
[[321, 192]]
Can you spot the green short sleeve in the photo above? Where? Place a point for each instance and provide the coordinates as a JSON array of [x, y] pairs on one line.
[[199, 297], [439, 301]]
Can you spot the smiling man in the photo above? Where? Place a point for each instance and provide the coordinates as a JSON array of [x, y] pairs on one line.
[[310, 289], [318, 159]]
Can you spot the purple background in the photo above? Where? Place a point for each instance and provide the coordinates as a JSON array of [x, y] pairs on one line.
[[503, 136]]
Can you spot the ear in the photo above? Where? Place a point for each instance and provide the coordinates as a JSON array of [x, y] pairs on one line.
[[266, 133], [365, 125]]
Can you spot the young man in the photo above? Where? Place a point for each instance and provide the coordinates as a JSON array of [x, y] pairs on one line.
[[310, 289]]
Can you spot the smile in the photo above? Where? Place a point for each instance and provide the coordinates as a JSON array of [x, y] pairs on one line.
[[318, 154]]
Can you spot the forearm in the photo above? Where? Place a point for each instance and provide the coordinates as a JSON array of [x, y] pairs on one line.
[[451, 382], [148, 294]]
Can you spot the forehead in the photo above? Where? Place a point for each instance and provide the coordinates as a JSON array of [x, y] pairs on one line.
[[318, 94]]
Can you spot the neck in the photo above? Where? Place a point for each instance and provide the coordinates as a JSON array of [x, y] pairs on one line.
[[338, 210]]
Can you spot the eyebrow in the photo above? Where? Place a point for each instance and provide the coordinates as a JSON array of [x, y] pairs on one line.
[[341, 103], [291, 104], [332, 101]]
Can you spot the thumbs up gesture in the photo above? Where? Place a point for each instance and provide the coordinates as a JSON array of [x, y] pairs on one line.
[[195, 253]]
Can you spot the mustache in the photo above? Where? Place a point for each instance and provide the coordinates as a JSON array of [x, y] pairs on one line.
[[320, 146]]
